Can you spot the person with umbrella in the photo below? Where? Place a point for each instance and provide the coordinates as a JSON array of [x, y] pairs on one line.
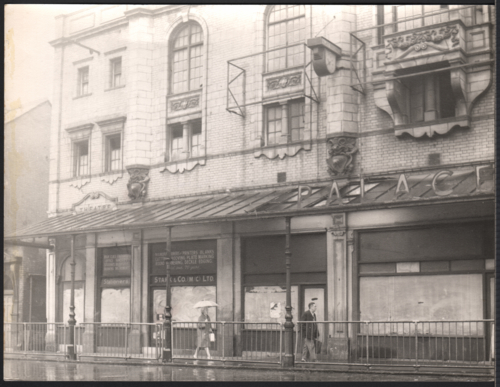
[[204, 328]]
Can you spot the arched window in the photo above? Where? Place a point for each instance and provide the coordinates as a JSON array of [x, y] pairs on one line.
[[187, 58], [286, 28], [65, 295]]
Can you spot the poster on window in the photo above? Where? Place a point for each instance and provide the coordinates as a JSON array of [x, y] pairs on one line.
[[115, 305], [266, 304], [183, 299]]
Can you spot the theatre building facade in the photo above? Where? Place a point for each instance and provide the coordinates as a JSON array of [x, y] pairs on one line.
[[364, 132]]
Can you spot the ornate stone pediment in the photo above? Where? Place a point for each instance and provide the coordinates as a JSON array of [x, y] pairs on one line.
[[95, 202]]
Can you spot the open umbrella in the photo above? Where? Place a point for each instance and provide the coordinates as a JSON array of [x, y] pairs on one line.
[[204, 304]]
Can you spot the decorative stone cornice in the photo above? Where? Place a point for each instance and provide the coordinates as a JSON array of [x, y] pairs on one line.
[[421, 40], [185, 103], [284, 81]]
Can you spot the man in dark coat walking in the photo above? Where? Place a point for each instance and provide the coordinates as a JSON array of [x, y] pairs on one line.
[[309, 332]]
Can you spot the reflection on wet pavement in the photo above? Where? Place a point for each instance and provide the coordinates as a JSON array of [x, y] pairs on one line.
[[63, 371]]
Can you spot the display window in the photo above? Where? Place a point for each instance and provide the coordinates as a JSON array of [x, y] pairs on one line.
[[114, 283]]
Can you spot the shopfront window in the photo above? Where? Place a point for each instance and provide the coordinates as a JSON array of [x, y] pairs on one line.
[[264, 304], [65, 278], [115, 284], [193, 278], [182, 301]]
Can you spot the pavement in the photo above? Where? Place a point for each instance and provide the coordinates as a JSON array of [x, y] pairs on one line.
[[58, 370]]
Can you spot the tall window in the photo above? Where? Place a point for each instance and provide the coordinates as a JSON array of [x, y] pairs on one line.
[[83, 81], [430, 96], [286, 28], [187, 55], [185, 140], [285, 119], [116, 72], [81, 158], [113, 152]]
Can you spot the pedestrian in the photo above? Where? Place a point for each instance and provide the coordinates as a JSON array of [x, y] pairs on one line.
[[310, 333], [204, 328]]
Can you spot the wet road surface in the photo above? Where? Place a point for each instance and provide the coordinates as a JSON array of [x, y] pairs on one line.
[[36, 370]]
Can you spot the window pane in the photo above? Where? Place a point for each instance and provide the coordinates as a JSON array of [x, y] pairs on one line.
[[187, 60], [115, 305], [288, 28]]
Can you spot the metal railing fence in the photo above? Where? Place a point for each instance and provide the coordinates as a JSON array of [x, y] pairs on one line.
[[232, 341], [125, 340], [36, 338], [400, 343], [464, 344]]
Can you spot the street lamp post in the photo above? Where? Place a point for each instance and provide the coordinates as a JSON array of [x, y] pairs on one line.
[[167, 321], [288, 359], [72, 321]]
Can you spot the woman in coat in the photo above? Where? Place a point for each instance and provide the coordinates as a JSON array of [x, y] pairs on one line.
[[203, 328]]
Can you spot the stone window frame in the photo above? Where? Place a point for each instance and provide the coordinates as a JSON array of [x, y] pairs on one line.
[[114, 56], [187, 106], [113, 82], [78, 134], [81, 91], [285, 21], [187, 127], [286, 119], [77, 157], [288, 93], [171, 42]]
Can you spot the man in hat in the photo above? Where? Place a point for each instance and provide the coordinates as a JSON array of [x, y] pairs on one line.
[[309, 332]]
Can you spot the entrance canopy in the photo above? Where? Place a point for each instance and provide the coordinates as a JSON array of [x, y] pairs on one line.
[[341, 195]]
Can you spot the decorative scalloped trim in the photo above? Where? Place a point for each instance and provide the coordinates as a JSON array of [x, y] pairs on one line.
[[110, 179], [282, 150], [80, 182], [181, 166], [431, 130]]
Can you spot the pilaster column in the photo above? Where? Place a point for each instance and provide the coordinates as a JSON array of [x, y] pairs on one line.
[[337, 345], [51, 297], [91, 294], [225, 290], [136, 292]]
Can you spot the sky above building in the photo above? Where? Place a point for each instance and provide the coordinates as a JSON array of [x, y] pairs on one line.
[[28, 56]]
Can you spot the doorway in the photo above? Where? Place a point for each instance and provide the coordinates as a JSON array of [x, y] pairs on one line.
[[316, 294]]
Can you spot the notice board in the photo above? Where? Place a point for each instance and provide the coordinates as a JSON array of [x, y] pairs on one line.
[[191, 257]]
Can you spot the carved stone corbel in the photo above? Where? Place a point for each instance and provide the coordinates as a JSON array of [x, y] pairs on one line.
[[341, 153], [138, 181]]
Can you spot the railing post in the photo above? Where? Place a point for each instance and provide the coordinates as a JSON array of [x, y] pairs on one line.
[[416, 343], [367, 341], [126, 339], [223, 341]]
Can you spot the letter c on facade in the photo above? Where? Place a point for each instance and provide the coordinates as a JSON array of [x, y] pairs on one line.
[[434, 181]]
